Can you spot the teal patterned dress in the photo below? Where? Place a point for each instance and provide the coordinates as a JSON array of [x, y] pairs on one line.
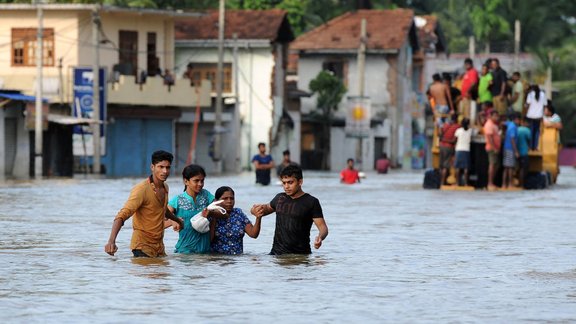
[[189, 240]]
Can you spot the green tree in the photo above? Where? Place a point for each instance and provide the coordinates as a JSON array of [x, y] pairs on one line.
[[487, 21], [329, 90]]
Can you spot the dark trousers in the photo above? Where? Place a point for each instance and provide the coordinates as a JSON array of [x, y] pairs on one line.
[[534, 125]]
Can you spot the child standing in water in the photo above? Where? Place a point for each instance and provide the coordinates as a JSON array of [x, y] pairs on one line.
[[193, 200], [227, 234]]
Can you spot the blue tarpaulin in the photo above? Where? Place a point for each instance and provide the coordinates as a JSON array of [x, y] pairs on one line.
[[17, 96]]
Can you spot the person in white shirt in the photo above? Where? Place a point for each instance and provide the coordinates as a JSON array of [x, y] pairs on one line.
[[535, 102], [464, 136]]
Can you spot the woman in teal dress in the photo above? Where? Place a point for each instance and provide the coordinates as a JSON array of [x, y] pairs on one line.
[[228, 234], [193, 200]]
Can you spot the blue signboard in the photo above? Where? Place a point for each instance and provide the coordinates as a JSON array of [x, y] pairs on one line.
[[83, 99]]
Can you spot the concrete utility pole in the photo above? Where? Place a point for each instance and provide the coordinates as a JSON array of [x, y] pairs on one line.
[[219, 77], [96, 94], [236, 118], [38, 163], [517, 45], [548, 82], [471, 47], [361, 73]]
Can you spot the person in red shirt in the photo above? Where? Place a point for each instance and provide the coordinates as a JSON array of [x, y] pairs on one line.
[[447, 144], [349, 175], [468, 81]]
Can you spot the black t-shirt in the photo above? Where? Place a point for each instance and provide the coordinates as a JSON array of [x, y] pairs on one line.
[[293, 223], [499, 77]]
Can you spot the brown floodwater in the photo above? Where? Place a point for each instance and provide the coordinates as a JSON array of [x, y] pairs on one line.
[[395, 253]]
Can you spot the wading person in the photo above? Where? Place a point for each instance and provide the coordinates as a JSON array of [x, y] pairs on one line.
[[227, 234], [194, 236], [286, 161], [263, 163], [349, 175], [295, 213], [147, 202]]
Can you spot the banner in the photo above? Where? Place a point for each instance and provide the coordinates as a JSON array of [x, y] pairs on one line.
[[82, 108], [358, 116]]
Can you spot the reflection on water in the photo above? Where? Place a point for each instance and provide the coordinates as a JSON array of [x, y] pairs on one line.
[[395, 253]]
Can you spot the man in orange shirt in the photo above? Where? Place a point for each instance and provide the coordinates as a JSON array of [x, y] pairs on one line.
[[493, 143], [349, 175], [148, 203]]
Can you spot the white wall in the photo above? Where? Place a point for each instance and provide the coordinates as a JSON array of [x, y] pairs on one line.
[[376, 87], [255, 82]]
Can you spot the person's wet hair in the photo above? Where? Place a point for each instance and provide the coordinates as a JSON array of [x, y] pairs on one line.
[[261, 144], [160, 156], [220, 191], [469, 61], [286, 152], [292, 171], [436, 77], [191, 171]]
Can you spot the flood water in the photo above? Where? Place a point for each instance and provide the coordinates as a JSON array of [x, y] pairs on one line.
[[395, 253]]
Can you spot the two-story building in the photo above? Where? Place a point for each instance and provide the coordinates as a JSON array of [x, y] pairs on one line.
[[390, 46], [134, 47], [255, 59]]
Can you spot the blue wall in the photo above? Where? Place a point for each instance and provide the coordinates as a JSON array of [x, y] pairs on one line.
[[131, 142]]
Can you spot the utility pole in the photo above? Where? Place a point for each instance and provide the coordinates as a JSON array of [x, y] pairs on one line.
[[219, 77], [236, 118], [38, 163], [548, 82], [96, 93], [471, 47], [517, 45], [361, 72]]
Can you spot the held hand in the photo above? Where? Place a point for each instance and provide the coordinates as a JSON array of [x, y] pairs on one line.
[[110, 248], [318, 242], [257, 210], [177, 226], [214, 206]]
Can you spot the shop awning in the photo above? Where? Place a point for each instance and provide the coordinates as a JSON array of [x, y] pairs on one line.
[[18, 96], [70, 120]]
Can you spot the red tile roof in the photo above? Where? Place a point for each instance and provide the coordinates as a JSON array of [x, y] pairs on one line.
[[247, 24], [386, 30]]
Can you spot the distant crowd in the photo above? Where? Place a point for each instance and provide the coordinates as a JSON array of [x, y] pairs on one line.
[[510, 115]]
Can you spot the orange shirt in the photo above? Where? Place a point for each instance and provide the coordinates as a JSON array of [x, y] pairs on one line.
[[148, 221], [491, 130]]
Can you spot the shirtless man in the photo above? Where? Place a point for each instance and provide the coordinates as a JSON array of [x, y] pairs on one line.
[[443, 105]]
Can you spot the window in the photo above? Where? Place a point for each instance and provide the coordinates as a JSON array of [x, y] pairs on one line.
[[128, 53], [24, 41], [338, 67], [207, 71]]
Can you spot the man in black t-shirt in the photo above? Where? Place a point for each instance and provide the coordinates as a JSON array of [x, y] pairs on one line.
[[295, 213], [498, 88]]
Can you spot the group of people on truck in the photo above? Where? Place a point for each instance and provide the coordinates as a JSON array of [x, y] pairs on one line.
[[510, 116]]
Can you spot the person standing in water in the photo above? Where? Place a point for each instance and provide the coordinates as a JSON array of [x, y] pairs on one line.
[[295, 213], [227, 234], [147, 202], [263, 163], [195, 199]]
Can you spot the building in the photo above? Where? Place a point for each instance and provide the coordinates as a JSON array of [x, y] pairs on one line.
[[390, 46], [133, 46], [255, 58]]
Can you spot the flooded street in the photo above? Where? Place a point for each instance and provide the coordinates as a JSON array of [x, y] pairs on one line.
[[395, 253]]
